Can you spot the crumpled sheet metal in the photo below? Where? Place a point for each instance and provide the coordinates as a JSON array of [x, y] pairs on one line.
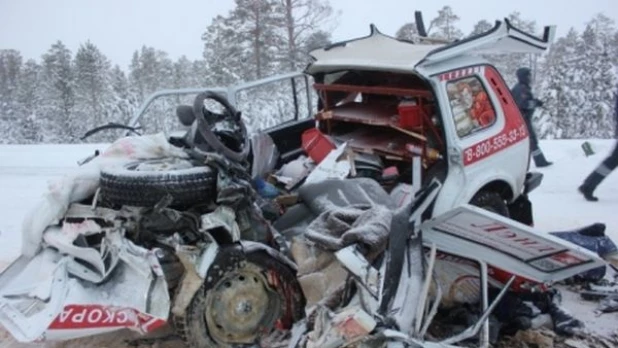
[[83, 182], [222, 217], [134, 295]]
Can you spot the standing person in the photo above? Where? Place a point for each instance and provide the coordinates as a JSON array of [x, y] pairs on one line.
[[603, 169], [522, 92]]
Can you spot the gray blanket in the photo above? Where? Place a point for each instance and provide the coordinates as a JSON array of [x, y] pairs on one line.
[[340, 227]]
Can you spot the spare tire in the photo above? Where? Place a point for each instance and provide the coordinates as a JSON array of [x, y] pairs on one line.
[[146, 183]]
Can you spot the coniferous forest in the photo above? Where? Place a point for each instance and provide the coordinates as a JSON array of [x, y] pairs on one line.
[[61, 95]]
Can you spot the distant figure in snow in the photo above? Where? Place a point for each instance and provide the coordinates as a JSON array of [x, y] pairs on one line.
[[522, 92], [603, 169]]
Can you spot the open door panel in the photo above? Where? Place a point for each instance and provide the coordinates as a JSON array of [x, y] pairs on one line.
[[502, 38], [508, 245]]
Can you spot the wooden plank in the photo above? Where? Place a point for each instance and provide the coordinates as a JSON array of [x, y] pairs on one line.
[[403, 92]]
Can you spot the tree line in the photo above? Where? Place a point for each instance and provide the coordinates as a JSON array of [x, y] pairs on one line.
[[57, 98]]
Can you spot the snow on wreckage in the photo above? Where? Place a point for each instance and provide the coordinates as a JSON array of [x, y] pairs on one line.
[[359, 229]]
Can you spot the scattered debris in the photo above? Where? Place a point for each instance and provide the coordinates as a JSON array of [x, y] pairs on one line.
[[337, 245]]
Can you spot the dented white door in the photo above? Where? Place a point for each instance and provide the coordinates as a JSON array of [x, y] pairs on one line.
[[508, 245]]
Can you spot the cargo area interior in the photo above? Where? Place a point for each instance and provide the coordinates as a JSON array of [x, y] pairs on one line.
[[385, 118]]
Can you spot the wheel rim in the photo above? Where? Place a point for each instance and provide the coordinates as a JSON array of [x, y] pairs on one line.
[[241, 306]]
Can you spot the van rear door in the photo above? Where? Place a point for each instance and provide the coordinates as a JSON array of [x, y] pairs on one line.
[[502, 38]]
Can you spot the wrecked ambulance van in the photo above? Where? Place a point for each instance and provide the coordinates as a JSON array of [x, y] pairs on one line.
[[443, 103], [162, 229]]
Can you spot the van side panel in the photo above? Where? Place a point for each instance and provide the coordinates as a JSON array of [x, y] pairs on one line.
[[513, 131]]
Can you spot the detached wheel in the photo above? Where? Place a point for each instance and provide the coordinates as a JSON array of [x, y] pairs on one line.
[[244, 298], [491, 201], [145, 183]]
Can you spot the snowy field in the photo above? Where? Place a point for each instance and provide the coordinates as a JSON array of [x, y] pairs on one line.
[[26, 169]]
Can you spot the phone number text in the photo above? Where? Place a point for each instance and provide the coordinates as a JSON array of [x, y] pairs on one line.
[[494, 144]]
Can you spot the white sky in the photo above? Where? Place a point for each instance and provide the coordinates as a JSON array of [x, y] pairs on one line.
[[119, 27]]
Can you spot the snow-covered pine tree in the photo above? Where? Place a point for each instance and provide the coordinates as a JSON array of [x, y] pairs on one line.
[[507, 64], [10, 68], [407, 31], [28, 97], [246, 44], [597, 85], [481, 27], [316, 40], [304, 22], [136, 84], [58, 94], [613, 48], [558, 89], [605, 28], [181, 78], [444, 26], [200, 76], [152, 70], [125, 102], [94, 98]]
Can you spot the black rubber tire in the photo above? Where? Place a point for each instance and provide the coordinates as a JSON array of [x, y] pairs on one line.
[[188, 187], [192, 327], [491, 201]]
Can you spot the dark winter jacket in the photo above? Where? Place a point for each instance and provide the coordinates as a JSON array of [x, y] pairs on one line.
[[524, 99], [523, 93]]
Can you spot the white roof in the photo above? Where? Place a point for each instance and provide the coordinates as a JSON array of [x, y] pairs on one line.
[[381, 52], [374, 52]]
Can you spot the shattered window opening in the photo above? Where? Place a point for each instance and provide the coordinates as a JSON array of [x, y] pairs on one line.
[[470, 105]]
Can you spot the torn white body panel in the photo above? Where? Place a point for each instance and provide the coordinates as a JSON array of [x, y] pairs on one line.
[[84, 181], [40, 299]]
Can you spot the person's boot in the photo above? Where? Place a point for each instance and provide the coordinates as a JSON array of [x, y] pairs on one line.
[[540, 161], [564, 322], [589, 185]]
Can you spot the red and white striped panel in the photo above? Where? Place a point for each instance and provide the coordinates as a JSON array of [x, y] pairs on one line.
[[459, 73]]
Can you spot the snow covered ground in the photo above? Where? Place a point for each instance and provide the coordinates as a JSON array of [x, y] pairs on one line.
[[25, 170]]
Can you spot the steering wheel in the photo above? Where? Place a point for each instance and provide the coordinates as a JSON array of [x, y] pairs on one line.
[[226, 133]]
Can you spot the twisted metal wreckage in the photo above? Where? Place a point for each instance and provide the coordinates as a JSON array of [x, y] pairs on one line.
[[185, 230]]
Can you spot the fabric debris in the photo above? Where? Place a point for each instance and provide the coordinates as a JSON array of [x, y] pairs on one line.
[[296, 168], [265, 155], [593, 238], [340, 227], [320, 274], [608, 305]]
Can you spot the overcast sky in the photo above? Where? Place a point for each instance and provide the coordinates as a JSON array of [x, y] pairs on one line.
[[119, 27]]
